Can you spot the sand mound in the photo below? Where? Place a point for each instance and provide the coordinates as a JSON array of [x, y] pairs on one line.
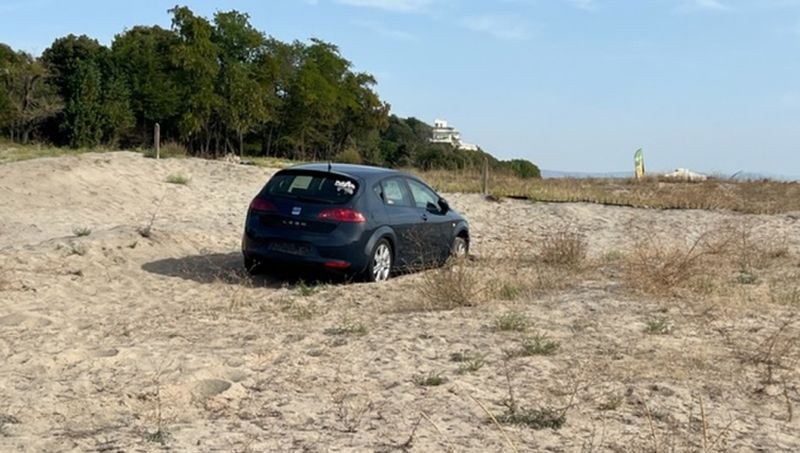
[[121, 339]]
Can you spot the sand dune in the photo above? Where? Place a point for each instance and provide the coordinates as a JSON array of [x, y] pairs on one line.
[[115, 340]]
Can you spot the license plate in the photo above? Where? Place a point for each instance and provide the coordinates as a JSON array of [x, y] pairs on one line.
[[289, 248]]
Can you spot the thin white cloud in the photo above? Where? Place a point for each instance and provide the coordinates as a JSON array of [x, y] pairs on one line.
[[380, 29], [702, 5], [401, 6], [709, 4], [500, 26], [790, 99], [586, 5]]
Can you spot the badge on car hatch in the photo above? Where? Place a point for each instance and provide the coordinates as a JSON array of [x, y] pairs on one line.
[[296, 210]]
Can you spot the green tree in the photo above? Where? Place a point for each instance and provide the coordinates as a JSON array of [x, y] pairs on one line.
[[26, 97], [65, 56], [421, 129], [311, 110], [363, 113], [399, 143], [245, 98], [117, 114], [196, 59], [97, 102], [85, 121], [275, 68], [8, 61], [142, 59]]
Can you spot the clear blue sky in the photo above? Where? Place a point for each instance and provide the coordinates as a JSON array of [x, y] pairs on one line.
[[578, 85]]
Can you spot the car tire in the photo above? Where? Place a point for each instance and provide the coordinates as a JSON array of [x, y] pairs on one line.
[[381, 261], [460, 248]]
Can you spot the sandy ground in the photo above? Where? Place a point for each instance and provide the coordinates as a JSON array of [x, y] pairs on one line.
[[116, 341]]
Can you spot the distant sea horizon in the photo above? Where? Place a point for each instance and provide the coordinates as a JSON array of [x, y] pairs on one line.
[[744, 176]]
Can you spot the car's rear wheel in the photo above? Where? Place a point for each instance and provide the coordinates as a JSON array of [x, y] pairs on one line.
[[460, 247], [380, 263]]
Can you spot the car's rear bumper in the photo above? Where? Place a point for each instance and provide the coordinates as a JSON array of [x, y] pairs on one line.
[[342, 253]]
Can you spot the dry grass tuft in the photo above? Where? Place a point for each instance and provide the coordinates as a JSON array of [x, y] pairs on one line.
[[786, 291], [299, 309], [457, 284], [661, 266], [664, 269], [563, 248], [507, 275], [717, 260]]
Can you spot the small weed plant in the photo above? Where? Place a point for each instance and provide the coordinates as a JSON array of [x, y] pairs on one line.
[[537, 344], [658, 326], [512, 321], [178, 178], [429, 380], [81, 231], [469, 362]]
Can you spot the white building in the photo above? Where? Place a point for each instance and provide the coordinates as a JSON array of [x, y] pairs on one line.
[[442, 133]]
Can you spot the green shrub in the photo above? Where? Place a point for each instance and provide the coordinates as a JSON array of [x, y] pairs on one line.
[[523, 168], [349, 156]]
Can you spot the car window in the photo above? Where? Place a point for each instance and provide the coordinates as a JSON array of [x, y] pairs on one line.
[[395, 193], [423, 196], [312, 186]]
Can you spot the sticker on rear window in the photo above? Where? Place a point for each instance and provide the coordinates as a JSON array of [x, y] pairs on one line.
[[345, 186]]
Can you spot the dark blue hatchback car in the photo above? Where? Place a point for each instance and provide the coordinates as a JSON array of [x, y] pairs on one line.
[[352, 219]]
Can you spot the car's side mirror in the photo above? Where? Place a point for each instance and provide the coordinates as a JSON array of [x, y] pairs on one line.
[[432, 208], [443, 205]]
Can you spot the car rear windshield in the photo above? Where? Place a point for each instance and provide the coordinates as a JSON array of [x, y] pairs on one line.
[[315, 187]]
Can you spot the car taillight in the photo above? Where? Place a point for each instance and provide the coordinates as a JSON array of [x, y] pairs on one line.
[[260, 204], [337, 264], [343, 215]]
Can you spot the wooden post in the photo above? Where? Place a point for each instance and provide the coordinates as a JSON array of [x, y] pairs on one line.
[[485, 177], [157, 140]]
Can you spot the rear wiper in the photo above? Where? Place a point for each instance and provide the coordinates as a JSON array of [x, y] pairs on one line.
[[311, 200], [303, 198], [306, 199]]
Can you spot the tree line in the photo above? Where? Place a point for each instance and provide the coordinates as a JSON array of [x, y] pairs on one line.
[[215, 86]]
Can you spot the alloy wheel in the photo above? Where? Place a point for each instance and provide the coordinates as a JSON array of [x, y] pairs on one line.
[[460, 248], [381, 263]]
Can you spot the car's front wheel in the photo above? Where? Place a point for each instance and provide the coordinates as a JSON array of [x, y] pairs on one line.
[[460, 248], [380, 263]]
